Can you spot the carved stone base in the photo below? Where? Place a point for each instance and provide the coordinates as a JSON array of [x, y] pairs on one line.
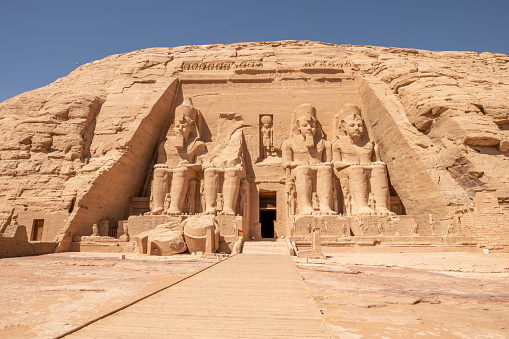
[[334, 225], [142, 223], [229, 225], [346, 226]]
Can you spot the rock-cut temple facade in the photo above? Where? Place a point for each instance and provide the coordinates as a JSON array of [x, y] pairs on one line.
[[199, 148]]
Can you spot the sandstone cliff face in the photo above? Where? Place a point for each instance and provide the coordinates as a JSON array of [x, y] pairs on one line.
[[76, 151]]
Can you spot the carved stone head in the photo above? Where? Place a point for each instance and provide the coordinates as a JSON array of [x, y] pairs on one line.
[[266, 121], [306, 123], [352, 123], [183, 126], [185, 116]]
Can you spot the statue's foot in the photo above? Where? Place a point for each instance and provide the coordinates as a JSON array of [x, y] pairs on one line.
[[227, 211], [307, 211], [365, 210], [209, 211], [156, 211], [174, 211], [327, 211], [383, 211]]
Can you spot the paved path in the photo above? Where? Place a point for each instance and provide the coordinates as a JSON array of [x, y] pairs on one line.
[[246, 296]]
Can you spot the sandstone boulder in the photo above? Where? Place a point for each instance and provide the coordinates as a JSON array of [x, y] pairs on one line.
[[165, 239], [195, 232]]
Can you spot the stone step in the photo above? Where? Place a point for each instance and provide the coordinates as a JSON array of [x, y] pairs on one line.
[[265, 247]]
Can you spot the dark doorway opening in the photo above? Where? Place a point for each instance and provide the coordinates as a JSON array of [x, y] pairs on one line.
[[267, 213], [267, 218], [37, 228]]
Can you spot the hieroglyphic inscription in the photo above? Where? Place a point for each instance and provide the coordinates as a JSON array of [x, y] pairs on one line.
[[271, 85], [249, 64], [206, 66], [219, 65], [323, 64]]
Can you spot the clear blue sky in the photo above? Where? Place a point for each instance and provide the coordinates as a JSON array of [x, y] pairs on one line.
[[42, 40]]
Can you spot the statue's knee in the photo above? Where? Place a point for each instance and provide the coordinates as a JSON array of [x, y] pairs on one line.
[[209, 172], [180, 172], [325, 170], [231, 172], [159, 173], [304, 170], [379, 169], [356, 170]]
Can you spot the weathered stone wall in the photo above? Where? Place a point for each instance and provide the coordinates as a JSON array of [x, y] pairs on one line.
[[75, 151], [14, 243], [490, 226]]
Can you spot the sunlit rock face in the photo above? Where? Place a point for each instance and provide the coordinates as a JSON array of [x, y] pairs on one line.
[[109, 140]]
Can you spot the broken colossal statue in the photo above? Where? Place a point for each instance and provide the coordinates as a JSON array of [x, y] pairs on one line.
[[307, 157], [182, 159], [225, 162], [358, 166]]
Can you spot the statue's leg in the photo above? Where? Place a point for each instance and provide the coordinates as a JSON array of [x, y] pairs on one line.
[[359, 189], [324, 189], [230, 189], [178, 190], [210, 178], [380, 189], [304, 187], [159, 189]]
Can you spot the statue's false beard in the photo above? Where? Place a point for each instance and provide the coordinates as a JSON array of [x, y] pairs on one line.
[[310, 141], [179, 141]]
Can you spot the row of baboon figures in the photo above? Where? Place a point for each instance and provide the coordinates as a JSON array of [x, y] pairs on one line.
[[185, 167]]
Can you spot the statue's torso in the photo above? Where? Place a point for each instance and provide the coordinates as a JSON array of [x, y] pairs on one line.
[[307, 155], [175, 156], [355, 154]]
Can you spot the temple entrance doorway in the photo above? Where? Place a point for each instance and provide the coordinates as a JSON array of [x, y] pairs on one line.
[[267, 214]]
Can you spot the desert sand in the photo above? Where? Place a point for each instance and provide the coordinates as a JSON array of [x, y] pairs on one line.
[[407, 295], [45, 296]]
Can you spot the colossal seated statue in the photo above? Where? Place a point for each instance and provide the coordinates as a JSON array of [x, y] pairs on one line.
[[307, 153], [359, 168], [226, 158], [177, 155]]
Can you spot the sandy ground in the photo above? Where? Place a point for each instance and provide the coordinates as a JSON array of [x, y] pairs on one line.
[[388, 295], [44, 296], [382, 295]]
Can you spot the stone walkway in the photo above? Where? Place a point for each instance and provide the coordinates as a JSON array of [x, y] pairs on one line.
[[250, 295]]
